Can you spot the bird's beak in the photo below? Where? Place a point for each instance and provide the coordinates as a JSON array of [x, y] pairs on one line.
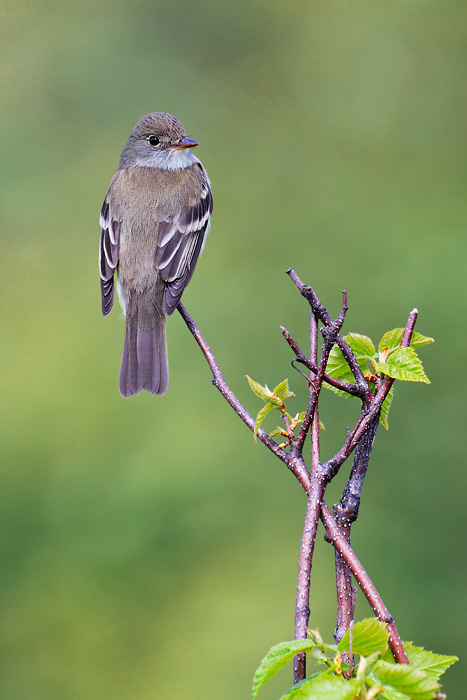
[[185, 143]]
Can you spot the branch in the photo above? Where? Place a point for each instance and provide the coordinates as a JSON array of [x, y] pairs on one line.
[[315, 494], [365, 583], [315, 484], [346, 592], [346, 512], [302, 602], [330, 333], [350, 499], [409, 328], [322, 313], [314, 438], [296, 466], [377, 400], [300, 356]]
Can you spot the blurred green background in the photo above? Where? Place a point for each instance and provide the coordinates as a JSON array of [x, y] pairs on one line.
[[149, 547]]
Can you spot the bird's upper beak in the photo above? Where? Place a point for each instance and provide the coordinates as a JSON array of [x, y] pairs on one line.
[[185, 143]]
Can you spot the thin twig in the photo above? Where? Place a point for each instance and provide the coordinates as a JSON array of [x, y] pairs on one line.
[[346, 592], [409, 328], [322, 313], [365, 583], [377, 400], [296, 466], [314, 438], [300, 356], [330, 333], [346, 511]]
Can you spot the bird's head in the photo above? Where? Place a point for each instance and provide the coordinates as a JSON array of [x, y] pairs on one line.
[[158, 141]]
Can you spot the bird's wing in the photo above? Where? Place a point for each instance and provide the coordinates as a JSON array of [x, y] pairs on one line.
[[108, 255], [180, 242]]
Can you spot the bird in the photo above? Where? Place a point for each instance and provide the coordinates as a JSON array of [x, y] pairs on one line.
[[154, 220]]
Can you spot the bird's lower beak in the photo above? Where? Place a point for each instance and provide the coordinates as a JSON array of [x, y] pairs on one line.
[[185, 143]]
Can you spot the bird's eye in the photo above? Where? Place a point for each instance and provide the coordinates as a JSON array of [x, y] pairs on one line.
[[153, 140]]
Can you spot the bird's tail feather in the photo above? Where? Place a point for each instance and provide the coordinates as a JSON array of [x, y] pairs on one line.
[[145, 363]]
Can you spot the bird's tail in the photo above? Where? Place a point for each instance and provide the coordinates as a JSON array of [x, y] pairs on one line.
[[145, 363]]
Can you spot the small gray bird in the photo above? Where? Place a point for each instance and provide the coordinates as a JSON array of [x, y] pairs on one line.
[[155, 219]]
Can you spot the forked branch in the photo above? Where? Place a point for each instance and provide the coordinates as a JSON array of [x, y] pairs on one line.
[[315, 480]]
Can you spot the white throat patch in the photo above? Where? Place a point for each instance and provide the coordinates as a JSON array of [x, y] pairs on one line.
[[169, 159]]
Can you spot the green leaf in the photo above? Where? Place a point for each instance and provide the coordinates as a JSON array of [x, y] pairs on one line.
[[392, 340], [276, 658], [416, 684], [323, 687], [282, 390], [316, 637], [369, 636], [364, 352], [383, 419], [361, 346], [261, 416], [276, 431], [418, 340], [263, 392], [337, 367], [403, 364], [366, 664], [433, 664]]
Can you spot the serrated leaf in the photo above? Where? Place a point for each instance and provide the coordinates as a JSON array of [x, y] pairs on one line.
[[361, 346], [383, 419], [336, 365], [276, 658], [392, 339], [434, 664], [403, 364], [338, 368], [368, 637], [261, 416], [282, 390], [418, 340], [262, 391], [323, 687], [402, 678]]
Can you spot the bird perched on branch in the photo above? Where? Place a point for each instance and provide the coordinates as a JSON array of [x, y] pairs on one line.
[[155, 219]]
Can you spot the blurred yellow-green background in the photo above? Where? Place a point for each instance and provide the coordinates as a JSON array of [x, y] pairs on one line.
[[149, 547]]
